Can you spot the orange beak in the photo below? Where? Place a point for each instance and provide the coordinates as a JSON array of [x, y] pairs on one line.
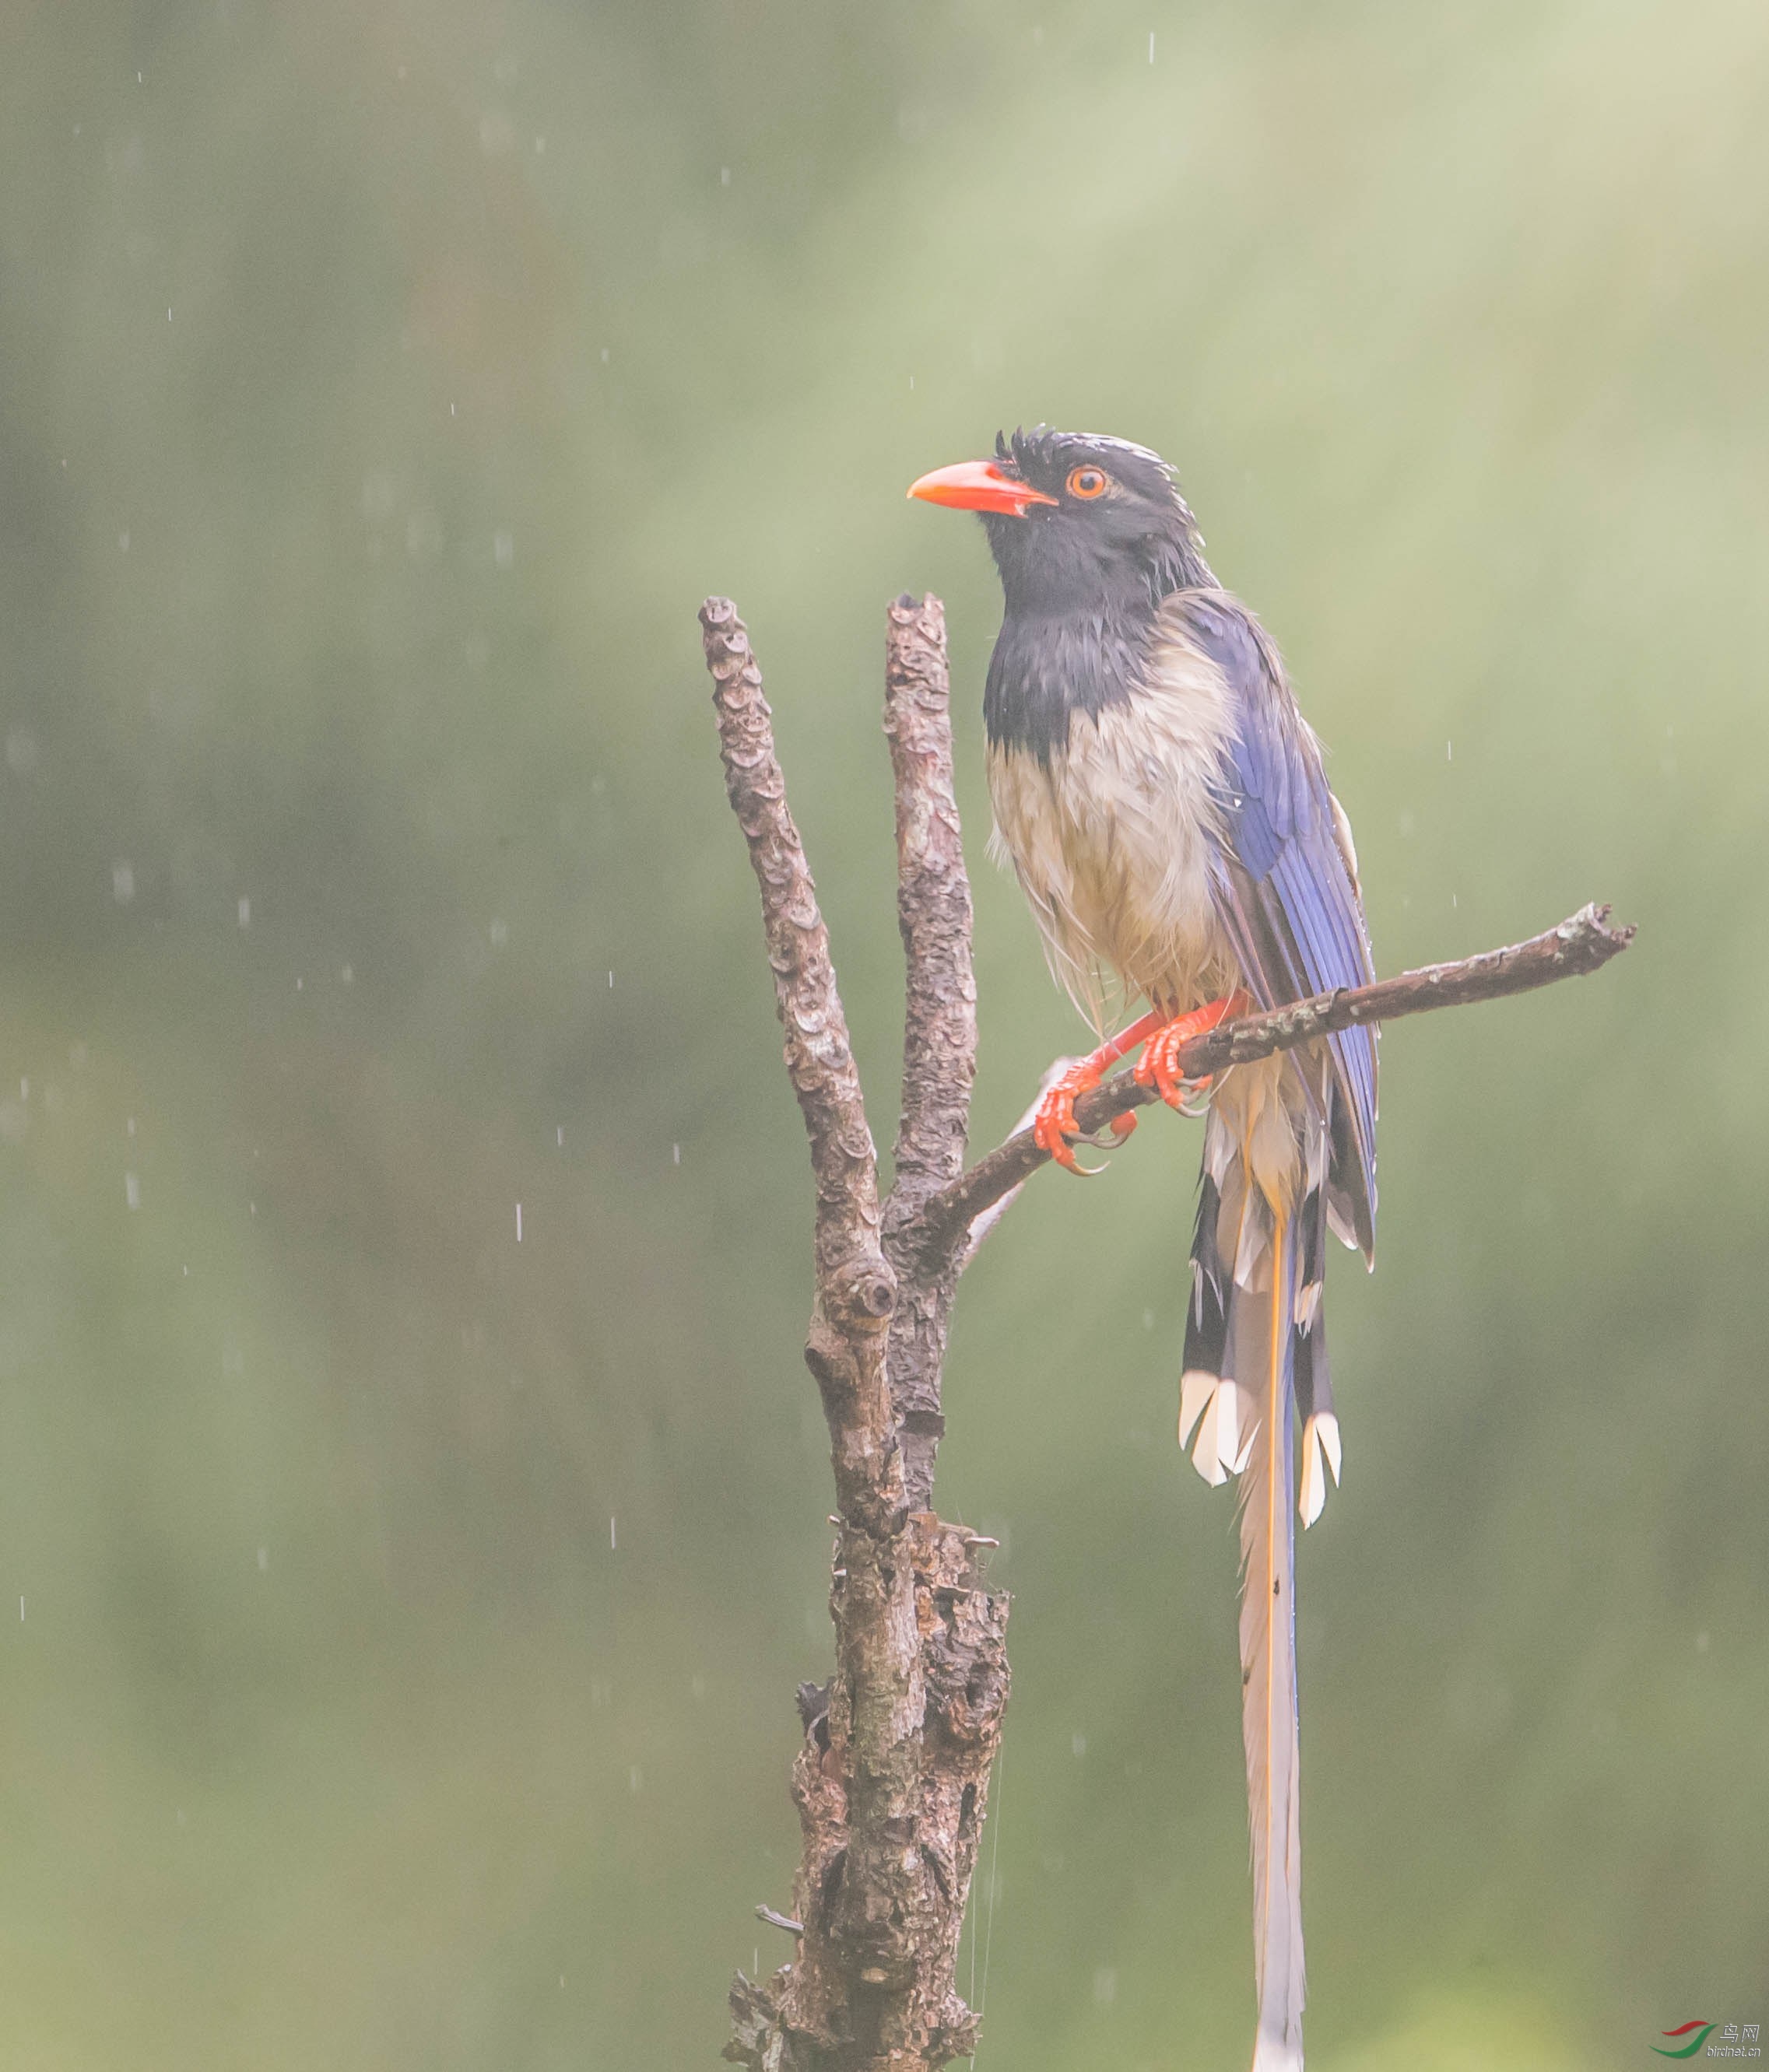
[[977, 485]]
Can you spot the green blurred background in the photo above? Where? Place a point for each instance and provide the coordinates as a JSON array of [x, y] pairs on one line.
[[408, 1619]]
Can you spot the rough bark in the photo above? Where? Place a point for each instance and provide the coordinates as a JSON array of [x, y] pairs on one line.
[[939, 1019], [891, 1780], [947, 1223]]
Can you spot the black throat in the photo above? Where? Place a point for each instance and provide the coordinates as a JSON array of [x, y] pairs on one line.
[[1075, 633]]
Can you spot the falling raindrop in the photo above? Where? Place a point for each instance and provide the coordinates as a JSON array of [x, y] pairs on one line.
[[122, 882], [612, 1541], [132, 1189], [245, 913], [519, 1223]]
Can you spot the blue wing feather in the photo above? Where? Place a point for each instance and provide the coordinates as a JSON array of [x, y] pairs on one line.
[[1285, 888]]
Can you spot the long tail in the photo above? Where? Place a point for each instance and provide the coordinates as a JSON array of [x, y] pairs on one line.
[[1262, 1333], [1255, 1365]]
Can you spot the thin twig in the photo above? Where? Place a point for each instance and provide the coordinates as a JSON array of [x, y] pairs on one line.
[[1584, 943]]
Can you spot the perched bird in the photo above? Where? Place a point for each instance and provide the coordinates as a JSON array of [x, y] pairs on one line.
[[1163, 803]]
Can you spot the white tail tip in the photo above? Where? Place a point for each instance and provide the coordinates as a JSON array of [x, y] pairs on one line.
[[1321, 1452], [1272, 2054], [1195, 1390], [1213, 1405]]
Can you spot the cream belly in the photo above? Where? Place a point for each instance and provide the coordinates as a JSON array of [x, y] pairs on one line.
[[1108, 840]]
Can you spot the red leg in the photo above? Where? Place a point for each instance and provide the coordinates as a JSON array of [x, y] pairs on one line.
[[1054, 1124], [1158, 1067]]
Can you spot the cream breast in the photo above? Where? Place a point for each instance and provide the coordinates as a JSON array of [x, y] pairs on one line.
[[1110, 837]]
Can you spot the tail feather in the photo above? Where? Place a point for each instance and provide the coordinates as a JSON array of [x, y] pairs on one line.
[[1262, 1326]]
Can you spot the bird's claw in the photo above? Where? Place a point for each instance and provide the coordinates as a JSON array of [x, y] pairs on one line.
[[1158, 1067], [1054, 1126]]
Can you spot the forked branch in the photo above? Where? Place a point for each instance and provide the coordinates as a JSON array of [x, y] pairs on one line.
[[891, 1779]]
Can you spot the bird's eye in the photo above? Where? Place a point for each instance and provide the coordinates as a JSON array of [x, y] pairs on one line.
[[1086, 482]]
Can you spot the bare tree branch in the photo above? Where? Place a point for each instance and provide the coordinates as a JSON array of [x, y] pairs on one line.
[[1582, 944], [855, 1288], [933, 903], [891, 1781], [939, 1019]]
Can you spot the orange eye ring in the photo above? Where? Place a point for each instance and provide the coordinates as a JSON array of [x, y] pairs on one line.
[[1086, 482]]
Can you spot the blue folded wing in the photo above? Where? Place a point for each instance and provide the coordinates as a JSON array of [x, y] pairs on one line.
[[1285, 888]]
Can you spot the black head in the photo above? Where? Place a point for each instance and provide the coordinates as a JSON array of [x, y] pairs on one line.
[[1089, 534], [1077, 522]]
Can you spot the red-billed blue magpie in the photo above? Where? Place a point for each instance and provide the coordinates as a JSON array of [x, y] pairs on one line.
[[1163, 804]]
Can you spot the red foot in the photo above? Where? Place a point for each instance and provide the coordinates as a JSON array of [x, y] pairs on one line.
[[1158, 1067], [1054, 1124]]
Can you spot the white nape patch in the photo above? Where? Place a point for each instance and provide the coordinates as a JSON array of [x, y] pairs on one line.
[[1320, 1453], [1120, 446]]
